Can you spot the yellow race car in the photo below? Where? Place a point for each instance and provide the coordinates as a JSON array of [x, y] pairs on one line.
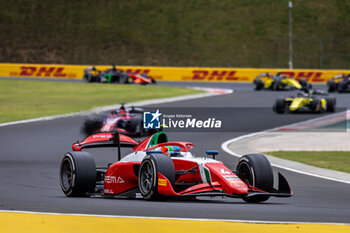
[[279, 82], [312, 101]]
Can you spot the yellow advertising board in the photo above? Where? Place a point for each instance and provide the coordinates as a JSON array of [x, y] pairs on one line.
[[200, 74]]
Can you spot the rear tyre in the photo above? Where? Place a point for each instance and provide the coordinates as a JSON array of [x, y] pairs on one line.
[[303, 83], [330, 104], [255, 170], [129, 79], [148, 175], [91, 126], [342, 86], [88, 78], [331, 86], [133, 126], [258, 84], [278, 85], [279, 106], [77, 174]]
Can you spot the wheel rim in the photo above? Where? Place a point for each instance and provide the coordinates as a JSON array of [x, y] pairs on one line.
[[244, 172], [67, 174], [146, 177]]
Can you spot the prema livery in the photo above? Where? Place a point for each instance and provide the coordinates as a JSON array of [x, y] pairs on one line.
[[159, 169]]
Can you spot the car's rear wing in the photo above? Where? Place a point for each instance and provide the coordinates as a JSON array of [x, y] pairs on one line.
[[105, 139], [134, 109]]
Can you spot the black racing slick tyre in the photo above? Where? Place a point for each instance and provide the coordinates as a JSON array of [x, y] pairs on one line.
[[304, 84], [332, 86], [88, 78], [316, 106], [134, 125], [255, 170], [77, 174], [258, 84], [148, 175], [129, 80], [123, 79], [342, 86], [91, 126], [331, 102], [279, 106]]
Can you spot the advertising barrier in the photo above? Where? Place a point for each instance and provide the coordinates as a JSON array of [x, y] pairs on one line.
[[200, 74]]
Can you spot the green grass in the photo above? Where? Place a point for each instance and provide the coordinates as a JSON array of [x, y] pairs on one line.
[[21, 99], [335, 160], [219, 33]]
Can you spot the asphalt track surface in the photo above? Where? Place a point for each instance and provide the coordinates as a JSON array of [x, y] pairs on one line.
[[31, 153]]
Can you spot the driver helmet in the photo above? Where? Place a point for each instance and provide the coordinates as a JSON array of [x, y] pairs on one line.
[[122, 112], [168, 150]]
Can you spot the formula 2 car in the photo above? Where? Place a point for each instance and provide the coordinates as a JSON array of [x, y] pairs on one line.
[[158, 169], [279, 82], [126, 120], [316, 101], [340, 83], [114, 75]]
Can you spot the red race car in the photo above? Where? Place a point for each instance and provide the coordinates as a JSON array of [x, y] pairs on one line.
[[125, 120], [159, 169], [114, 75]]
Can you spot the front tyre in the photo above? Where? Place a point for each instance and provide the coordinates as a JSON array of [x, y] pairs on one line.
[[255, 170], [316, 106], [279, 106], [148, 175], [77, 174]]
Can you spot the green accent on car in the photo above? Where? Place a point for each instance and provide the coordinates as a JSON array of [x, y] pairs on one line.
[[157, 138], [207, 174], [109, 76]]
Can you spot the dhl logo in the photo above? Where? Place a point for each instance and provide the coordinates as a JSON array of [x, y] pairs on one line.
[[233, 75], [42, 71], [138, 71], [216, 75], [309, 76]]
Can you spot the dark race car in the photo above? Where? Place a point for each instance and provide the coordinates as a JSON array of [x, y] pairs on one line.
[[279, 82], [340, 83], [316, 101], [158, 169], [126, 120], [114, 75]]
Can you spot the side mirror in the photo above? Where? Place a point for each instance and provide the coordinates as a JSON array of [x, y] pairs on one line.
[[212, 152], [154, 152]]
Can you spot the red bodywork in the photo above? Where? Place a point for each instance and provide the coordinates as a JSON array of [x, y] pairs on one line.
[[113, 119], [122, 176], [140, 79], [104, 138]]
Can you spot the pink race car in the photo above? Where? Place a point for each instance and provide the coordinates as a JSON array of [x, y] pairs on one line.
[[159, 169]]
